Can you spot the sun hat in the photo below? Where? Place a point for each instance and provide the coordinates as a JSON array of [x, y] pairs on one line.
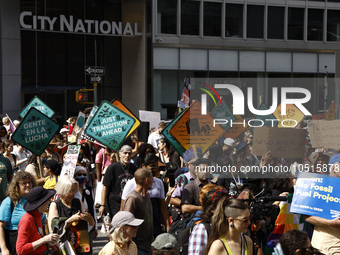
[[36, 197], [165, 241], [122, 218]]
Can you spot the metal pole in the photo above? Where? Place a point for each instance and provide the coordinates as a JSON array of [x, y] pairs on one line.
[[325, 91], [95, 74]]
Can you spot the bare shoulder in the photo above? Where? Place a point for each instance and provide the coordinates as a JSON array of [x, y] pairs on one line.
[[216, 247]]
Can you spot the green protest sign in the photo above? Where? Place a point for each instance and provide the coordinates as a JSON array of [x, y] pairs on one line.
[[35, 131], [37, 103], [110, 125], [223, 113]]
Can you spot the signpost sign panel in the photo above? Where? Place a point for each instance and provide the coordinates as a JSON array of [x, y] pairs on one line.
[[35, 131], [110, 125], [37, 103]]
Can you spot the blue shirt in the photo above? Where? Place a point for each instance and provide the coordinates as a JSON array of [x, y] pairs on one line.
[[13, 219]]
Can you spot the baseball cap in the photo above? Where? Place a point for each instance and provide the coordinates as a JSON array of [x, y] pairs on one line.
[[123, 218], [165, 241]]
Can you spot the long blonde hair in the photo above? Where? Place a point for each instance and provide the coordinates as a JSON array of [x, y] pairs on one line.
[[118, 237]]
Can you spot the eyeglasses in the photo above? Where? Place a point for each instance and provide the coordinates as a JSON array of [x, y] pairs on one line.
[[310, 251], [25, 183], [154, 167], [81, 175], [244, 220], [218, 193]]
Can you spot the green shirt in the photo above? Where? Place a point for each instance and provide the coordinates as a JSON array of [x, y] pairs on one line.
[[5, 171]]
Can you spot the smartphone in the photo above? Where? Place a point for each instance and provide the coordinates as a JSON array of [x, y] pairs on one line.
[[55, 230]]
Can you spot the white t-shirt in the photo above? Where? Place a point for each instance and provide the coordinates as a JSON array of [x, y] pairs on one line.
[[326, 239], [156, 191], [153, 139]]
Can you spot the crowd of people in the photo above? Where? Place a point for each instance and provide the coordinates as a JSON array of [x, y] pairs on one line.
[[158, 201]]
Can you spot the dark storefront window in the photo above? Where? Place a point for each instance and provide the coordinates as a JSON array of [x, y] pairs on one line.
[[275, 22], [167, 16], [190, 17], [333, 25], [255, 21], [295, 23], [234, 20], [212, 19], [315, 25]]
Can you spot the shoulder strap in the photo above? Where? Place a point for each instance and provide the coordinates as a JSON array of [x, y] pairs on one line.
[[244, 245], [226, 246], [12, 206]]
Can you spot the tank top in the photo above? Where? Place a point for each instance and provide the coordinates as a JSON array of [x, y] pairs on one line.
[[65, 211], [244, 247]]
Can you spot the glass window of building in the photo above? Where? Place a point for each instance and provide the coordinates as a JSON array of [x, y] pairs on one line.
[[190, 17], [315, 25], [275, 22], [234, 20], [333, 25], [212, 19], [167, 16], [255, 19], [295, 23]]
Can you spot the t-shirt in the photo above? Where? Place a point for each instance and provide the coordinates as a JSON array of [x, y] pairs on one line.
[[156, 191], [6, 214], [32, 169], [326, 239], [112, 248], [141, 207], [115, 179], [190, 194], [5, 170], [103, 158], [50, 183], [153, 139], [20, 156]]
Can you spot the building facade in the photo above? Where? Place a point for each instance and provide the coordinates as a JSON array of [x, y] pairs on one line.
[[148, 47]]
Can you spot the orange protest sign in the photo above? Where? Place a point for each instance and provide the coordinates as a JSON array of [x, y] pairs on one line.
[[121, 106], [330, 115], [292, 113], [238, 127], [193, 128]]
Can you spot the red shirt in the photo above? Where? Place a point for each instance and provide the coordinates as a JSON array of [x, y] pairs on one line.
[[28, 233]]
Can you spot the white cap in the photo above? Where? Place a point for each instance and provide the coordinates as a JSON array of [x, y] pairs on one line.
[[123, 218], [229, 141]]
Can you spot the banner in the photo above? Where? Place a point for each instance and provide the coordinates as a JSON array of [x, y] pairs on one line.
[[70, 160], [317, 195], [281, 142]]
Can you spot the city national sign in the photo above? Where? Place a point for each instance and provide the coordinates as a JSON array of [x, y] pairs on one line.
[[35, 131]]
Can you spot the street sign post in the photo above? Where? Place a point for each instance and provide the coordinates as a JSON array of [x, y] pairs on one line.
[[96, 79], [35, 131]]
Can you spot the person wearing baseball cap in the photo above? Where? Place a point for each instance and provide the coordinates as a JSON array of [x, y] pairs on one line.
[[165, 244], [124, 228], [31, 238]]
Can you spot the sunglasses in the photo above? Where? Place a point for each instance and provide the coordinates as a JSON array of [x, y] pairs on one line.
[[219, 193], [81, 175], [244, 220]]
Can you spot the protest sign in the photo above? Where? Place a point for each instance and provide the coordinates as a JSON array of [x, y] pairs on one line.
[[264, 120], [239, 126], [288, 143], [153, 117], [317, 195], [120, 105], [37, 103], [70, 160], [223, 112], [293, 116], [110, 125], [193, 128], [173, 142], [35, 131], [324, 133]]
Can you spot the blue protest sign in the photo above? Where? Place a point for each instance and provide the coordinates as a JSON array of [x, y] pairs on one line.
[[264, 120], [110, 125], [37, 103], [223, 113], [35, 131], [317, 195]]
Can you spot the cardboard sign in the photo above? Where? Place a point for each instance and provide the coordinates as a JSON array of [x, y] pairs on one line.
[[317, 195], [223, 112], [35, 131], [324, 133], [193, 128], [292, 112], [265, 118], [288, 143], [330, 115], [70, 160], [153, 117], [120, 105], [37, 103], [239, 126], [172, 141], [110, 125], [315, 133]]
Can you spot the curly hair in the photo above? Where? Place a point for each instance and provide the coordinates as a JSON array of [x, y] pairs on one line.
[[293, 240], [13, 188]]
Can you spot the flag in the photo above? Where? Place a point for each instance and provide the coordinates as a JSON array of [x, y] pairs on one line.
[[11, 125]]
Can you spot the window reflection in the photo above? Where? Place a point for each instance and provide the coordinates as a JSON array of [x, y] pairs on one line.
[[234, 20], [315, 27], [333, 25]]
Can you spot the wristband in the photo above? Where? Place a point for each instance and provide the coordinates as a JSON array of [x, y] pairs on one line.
[[101, 205]]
